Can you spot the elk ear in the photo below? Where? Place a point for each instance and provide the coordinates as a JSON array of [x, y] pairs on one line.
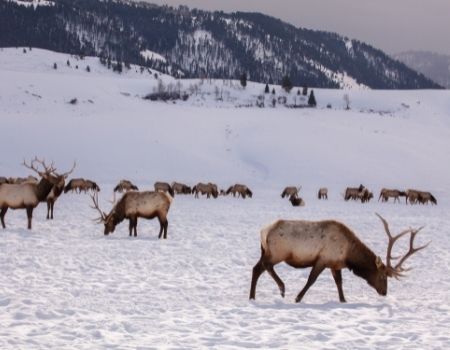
[[378, 262]]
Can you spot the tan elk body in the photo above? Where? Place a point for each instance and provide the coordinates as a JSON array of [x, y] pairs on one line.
[[133, 205], [325, 244]]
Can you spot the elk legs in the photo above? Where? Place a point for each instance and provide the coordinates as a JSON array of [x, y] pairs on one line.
[[258, 269], [2, 215], [30, 216], [337, 275], [277, 279], [133, 226], [315, 272]]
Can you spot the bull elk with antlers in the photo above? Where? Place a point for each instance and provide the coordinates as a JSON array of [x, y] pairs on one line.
[[134, 205], [327, 244], [28, 195]]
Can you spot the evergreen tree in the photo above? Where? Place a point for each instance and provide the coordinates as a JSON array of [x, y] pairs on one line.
[[298, 92], [267, 90], [68, 63], [55, 66], [286, 83], [243, 80], [312, 99], [273, 91], [88, 69]]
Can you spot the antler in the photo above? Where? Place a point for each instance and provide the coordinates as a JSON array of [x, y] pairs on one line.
[[102, 217], [31, 166], [48, 169], [66, 174], [396, 271]]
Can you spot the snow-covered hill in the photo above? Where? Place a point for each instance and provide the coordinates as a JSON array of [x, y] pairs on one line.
[[192, 43], [64, 285]]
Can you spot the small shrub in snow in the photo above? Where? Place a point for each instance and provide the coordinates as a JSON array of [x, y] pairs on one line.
[[55, 66], [267, 90], [329, 106], [88, 69], [68, 63], [73, 101], [347, 101], [243, 80]]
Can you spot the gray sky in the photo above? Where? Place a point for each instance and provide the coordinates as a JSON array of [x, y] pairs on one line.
[[391, 25]]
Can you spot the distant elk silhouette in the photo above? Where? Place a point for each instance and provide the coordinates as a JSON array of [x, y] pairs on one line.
[[323, 193], [327, 244], [180, 188], [81, 185], [28, 195], [125, 186], [385, 194], [133, 205], [241, 191], [208, 189], [420, 197], [290, 191]]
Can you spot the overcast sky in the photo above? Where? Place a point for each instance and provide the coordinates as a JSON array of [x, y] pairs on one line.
[[392, 25]]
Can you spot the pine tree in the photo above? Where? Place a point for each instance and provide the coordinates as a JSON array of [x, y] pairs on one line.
[[68, 63], [88, 69], [273, 91], [267, 90], [312, 99], [55, 66], [243, 80], [298, 92], [286, 84]]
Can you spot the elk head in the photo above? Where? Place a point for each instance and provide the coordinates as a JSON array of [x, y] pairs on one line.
[[108, 220], [384, 271]]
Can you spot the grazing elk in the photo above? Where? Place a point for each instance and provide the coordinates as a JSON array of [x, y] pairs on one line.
[[323, 193], [353, 192], [164, 187], [134, 205], [28, 195], [81, 185], [419, 197], [209, 189], [296, 201], [180, 188], [59, 181], [385, 194], [241, 190], [290, 191], [3, 180], [125, 186], [327, 244]]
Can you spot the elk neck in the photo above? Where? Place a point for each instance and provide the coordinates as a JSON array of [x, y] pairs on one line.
[[361, 260], [43, 188]]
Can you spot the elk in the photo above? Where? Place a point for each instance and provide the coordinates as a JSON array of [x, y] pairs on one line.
[[58, 187], [125, 186], [80, 184], [28, 195], [421, 197], [180, 188], [297, 201], [241, 190], [164, 187], [209, 189], [353, 192], [327, 244], [323, 193], [133, 205], [3, 180], [290, 191], [385, 194], [425, 197]]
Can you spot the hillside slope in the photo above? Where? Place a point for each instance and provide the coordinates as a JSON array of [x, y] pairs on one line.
[[195, 43], [392, 138]]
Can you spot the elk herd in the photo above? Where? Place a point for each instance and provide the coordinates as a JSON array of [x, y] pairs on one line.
[[300, 244]]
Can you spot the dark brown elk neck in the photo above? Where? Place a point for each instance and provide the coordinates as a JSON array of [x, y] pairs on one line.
[[119, 209], [361, 260], [43, 188]]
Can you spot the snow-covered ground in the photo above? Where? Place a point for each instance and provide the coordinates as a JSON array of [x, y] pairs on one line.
[[65, 285]]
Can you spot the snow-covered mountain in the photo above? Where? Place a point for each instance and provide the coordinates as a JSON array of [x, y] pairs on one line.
[[195, 43], [432, 65]]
